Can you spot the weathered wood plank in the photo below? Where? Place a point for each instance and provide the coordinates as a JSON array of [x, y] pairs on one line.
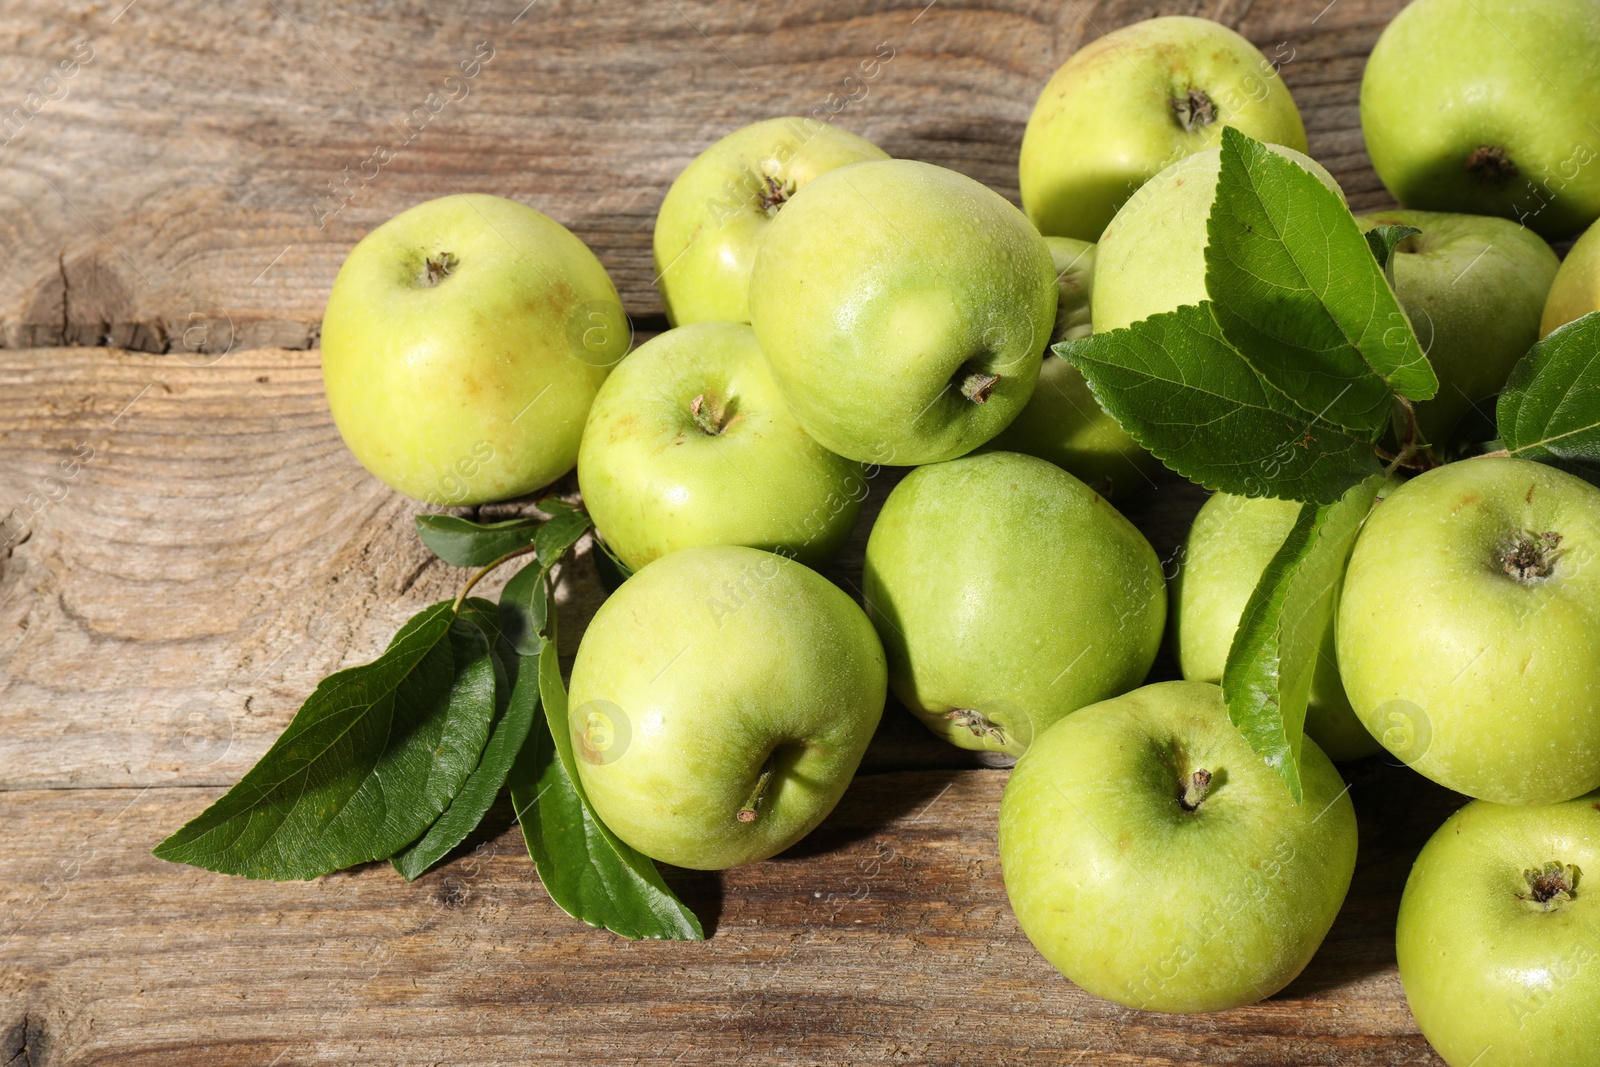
[[187, 548], [192, 548], [884, 937], [197, 181]]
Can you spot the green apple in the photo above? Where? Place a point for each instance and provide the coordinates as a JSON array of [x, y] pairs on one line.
[[1152, 257], [720, 703], [1488, 107], [1229, 546], [902, 308], [716, 211], [1576, 290], [1158, 862], [690, 444], [463, 343], [1009, 594], [1498, 937], [1134, 101], [1473, 287], [1469, 629], [1062, 421]]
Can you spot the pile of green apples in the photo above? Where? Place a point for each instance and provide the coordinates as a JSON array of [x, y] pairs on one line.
[[835, 312]]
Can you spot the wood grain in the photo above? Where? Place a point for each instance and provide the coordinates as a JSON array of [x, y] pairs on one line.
[[186, 547], [883, 938], [197, 182], [216, 551]]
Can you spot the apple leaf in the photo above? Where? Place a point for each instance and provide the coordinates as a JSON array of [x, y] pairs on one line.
[[1268, 675], [525, 602], [1383, 240], [368, 763], [1296, 289], [562, 530], [463, 543], [586, 869], [515, 713], [1182, 391], [524, 610], [1550, 408]]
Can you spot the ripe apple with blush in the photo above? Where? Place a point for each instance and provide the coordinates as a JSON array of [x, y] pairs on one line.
[[462, 345]]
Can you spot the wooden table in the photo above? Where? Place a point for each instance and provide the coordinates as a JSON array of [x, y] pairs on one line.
[[189, 548]]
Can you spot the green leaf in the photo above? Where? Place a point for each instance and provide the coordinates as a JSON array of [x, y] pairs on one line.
[[369, 761], [517, 708], [472, 544], [524, 609], [1296, 289], [1550, 407], [1175, 383], [524, 602], [1268, 675], [1383, 240], [561, 531], [586, 869]]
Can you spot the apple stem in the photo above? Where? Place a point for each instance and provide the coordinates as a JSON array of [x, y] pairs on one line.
[[1551, 885], [752, 805], [710, 417], [978, 386], [461, 597], [979, 724], [1412, 455], [1195, 790]]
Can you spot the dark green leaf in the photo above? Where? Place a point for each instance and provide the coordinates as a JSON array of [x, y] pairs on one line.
[[370, 760], [517, 707], [561, 531], [586, 870], [1274, 655], [472, 544], [1176, 384], [482, 613], [1550, 409], [524, 609], [1297, 291], [1383, 240]]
